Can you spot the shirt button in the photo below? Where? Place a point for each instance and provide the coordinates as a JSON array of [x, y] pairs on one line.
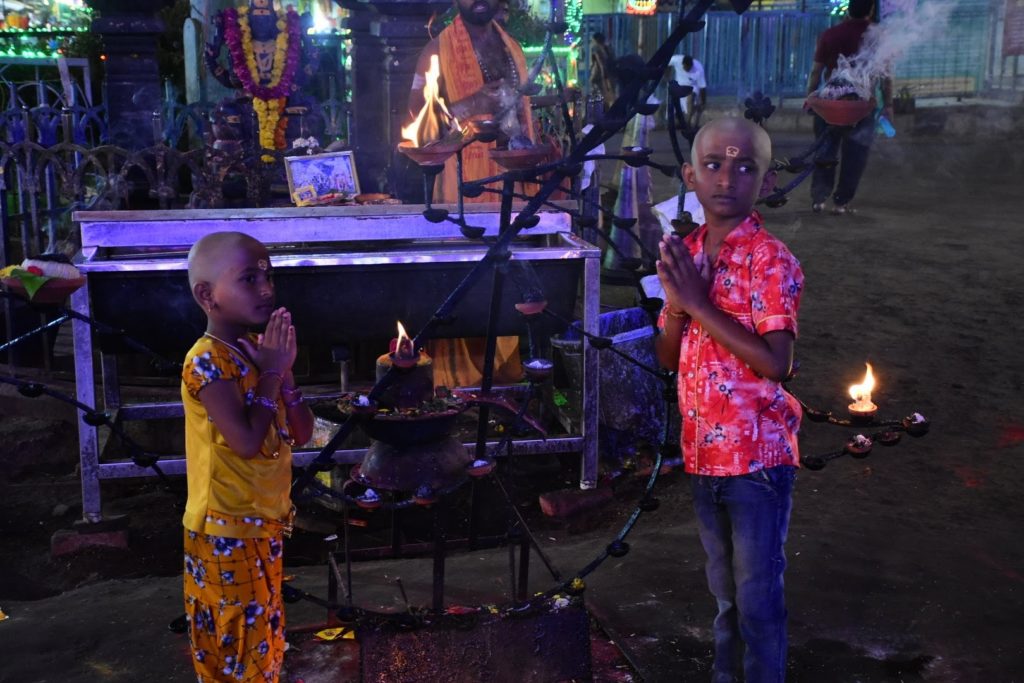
[[694, 331], [691, 412], [690, 375]]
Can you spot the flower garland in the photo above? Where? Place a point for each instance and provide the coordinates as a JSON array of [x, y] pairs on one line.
[[267, 100]]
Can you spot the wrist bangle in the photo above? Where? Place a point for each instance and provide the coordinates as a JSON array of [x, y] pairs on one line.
[[272, 373], [677, 316], [297, 401], [290, 391], [264, 402]]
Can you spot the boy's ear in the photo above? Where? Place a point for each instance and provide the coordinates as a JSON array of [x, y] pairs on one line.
[[689, 175], [768, 183]]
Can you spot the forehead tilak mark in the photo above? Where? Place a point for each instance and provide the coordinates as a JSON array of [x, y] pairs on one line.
[[732, 151], [263, 264]]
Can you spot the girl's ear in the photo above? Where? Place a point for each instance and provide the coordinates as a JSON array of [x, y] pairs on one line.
[[203, 293]]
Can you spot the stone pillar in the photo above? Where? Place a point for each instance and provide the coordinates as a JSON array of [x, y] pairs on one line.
[[132, 89], [387, 37]]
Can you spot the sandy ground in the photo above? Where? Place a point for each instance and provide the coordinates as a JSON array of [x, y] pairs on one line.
[[905, 566]]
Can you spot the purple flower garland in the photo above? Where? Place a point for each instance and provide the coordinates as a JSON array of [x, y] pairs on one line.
[[236, 51]]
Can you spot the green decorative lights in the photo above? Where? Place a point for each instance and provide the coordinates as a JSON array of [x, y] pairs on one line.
[[574, 18]]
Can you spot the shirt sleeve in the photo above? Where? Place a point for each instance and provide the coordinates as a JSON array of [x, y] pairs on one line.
[[209, 364], [775, 287]]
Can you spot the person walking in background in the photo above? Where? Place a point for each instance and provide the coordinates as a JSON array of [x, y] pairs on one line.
[[601, 60], [689, 71], [852, 144]]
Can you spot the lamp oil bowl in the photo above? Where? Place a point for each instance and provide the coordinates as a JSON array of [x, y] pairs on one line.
[[529, 308], [483, 127], [859, 446], [916, 424], [480, 468], [521, 159], [429, 155], [537, 369]]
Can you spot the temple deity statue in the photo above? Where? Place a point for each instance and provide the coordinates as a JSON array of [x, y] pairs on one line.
[[268, 61]]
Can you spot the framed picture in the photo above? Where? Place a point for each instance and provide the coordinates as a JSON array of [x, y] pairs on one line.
[[320, 178]]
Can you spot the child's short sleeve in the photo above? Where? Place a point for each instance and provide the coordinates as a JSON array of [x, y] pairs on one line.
[[775, 288], [208, 363]]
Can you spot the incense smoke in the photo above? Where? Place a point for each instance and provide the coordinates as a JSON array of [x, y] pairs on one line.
[[886, 43]]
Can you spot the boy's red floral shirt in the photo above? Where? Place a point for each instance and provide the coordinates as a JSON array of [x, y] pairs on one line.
[[734, 421]]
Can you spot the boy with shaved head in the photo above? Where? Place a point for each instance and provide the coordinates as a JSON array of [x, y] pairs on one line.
[[729, 324]]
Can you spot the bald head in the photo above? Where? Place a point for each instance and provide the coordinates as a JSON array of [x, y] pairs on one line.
[[212, 254], [736, 137]]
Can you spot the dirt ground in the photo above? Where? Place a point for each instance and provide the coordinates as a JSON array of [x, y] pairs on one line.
[[904, 566]]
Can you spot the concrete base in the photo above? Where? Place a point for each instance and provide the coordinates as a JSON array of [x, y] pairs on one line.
[[569, 502], [547, 646], [112, 532]]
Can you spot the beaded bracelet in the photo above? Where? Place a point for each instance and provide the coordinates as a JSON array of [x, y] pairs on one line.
[[264, 402], [290, 391]]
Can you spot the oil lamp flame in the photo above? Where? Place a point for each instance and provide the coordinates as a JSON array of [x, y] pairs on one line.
[[427, 126], [861, 393], [403, 345]]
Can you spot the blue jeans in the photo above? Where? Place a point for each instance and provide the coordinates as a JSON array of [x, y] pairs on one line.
[[850, 146], [743, 522]]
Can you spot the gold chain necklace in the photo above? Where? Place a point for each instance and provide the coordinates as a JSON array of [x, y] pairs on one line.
[[230, 346]]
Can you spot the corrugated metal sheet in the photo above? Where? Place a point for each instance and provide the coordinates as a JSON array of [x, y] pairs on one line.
[[772, 51]]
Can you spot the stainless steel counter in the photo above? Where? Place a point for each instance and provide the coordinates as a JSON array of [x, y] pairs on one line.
[[346, 273]]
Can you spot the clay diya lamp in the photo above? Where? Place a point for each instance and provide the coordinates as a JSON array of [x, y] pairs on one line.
[[429, 156], [368, 500], [483, 127], [862, 410], [531, 307], [859, 446], [521, 159], [480, 468], [916, 424], [424, 495], [890, 438], [537, 369]]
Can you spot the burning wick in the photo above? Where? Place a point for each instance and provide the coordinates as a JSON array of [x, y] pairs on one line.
[[402, 352], [862, 406], [433, 119]]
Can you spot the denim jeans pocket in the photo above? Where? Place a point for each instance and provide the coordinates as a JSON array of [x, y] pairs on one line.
[[779, 478]]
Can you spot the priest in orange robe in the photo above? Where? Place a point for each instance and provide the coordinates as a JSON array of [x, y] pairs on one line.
[[482, 67]]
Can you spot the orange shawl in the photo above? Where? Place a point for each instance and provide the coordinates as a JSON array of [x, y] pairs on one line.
[[462, 77]]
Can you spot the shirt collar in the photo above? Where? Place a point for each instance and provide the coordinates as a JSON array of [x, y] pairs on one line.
[[749, 226]]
